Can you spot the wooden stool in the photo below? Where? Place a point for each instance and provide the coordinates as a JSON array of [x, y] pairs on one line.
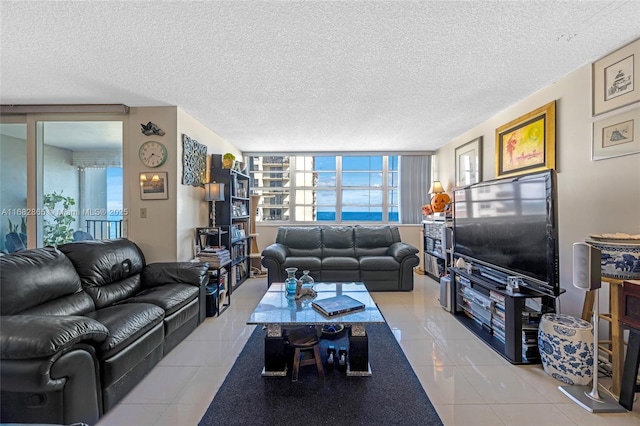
[[306, 342]]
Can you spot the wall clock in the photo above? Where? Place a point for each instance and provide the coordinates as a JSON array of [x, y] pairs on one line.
[[153, 154]]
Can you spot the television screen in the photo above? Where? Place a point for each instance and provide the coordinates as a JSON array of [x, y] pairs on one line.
[[508, 225]]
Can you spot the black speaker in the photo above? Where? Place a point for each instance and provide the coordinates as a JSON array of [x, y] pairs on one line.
[[586, 266]]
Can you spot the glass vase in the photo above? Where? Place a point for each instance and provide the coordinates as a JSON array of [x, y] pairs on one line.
[[306, 280], [291, 283]]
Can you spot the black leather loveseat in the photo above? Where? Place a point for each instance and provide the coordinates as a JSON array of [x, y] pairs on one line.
[[370, 254], [81, 325]]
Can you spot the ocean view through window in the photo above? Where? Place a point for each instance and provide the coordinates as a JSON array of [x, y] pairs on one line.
[[326, 188]]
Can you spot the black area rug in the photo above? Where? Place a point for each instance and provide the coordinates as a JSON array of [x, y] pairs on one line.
[[393, 395]]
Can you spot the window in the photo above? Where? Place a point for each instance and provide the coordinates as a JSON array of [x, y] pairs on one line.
[[270, 179], [326, 188]]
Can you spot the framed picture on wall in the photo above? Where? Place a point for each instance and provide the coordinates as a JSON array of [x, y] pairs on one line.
[[527, 144], [469, 162], [616, 136], [153, 186], [615, 79]]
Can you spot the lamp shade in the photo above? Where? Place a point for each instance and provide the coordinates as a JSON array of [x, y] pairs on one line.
[[436, 187], [214, 191]]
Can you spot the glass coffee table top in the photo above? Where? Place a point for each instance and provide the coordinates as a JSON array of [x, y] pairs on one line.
[[278, 308]]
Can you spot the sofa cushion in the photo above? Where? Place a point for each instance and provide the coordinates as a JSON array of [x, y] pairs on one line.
[[302, 263], [126, 323], [74, 304], [340, 263], [101, 262], [109, 269], [118, 291], [378, 263], [301, 241], [169, 297], [373, 240], [337, 241], [33, 277]]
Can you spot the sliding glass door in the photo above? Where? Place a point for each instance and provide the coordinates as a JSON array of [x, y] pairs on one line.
[[61, 180], [81, 186], [13, 185]]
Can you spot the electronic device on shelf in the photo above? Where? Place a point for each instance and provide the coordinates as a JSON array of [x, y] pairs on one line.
[[508, 226]]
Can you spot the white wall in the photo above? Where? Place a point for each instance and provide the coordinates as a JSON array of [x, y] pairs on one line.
[[593, 196]]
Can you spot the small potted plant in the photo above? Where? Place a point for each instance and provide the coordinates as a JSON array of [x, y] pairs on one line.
[[228, 160]]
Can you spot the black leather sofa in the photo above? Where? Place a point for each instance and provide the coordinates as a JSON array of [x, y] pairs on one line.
[[370, 254], [81, 325]]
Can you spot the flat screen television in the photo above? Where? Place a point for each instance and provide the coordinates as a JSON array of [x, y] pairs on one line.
[[507, 227]]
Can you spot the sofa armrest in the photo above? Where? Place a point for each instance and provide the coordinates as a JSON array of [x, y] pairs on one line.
[[401, 250], [277, 251], [161, 273], [39, 336]]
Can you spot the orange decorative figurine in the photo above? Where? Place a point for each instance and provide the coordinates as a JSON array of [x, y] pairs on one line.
[[440, 199]]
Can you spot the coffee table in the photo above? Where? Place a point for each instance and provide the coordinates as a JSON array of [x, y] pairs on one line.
[[277, 310]]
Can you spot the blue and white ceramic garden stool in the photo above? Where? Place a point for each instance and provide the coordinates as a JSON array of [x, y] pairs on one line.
[[566, 348]]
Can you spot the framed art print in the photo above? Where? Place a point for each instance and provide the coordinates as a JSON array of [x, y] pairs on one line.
[[153, 186], [527, 144], [615, 79], [469, 162], [616, 136]]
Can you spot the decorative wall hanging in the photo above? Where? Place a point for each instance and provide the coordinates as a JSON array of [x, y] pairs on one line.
[[616, 136], [469, 162], [528, 143], [615, 79], [153, 186], [151, 129], [194, 161]]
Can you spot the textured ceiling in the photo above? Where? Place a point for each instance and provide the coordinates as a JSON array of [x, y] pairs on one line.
[[306, 75]]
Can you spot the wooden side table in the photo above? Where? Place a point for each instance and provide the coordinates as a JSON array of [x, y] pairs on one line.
[[614, 347]]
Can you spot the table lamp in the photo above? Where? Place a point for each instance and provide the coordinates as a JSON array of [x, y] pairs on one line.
[[213, 192]]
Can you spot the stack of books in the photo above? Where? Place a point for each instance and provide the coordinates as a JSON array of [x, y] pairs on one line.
[[215, 256]]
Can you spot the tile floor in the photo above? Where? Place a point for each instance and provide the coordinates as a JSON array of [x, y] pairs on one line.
[[468, 383]]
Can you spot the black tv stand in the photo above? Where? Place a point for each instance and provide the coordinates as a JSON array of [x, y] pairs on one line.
[[500, 318]]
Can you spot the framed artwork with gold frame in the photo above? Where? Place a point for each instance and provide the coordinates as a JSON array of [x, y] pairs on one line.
[[528, 143]]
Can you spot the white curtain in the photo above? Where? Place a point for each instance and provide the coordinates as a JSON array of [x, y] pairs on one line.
[[415, 179]]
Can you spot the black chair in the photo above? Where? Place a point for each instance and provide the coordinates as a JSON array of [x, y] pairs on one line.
[[82, 236]]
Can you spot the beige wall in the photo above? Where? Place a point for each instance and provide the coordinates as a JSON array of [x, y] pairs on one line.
[[167, 233], [156, 233], [192, 210], [593, 196]]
